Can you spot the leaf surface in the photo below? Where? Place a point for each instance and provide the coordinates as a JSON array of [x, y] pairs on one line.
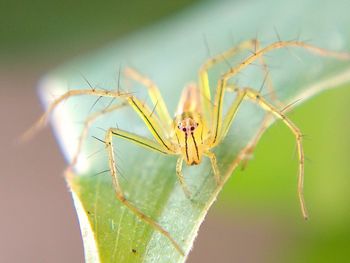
[[170, 53]]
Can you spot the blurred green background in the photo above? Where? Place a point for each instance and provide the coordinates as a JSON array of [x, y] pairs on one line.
[[256, 218]]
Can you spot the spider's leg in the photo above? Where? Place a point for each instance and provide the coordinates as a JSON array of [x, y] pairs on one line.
[[223, 81], [223, 85], [144, 112], [118, 190], [284, 44], [228, 172], [252, 144], [153, 91], [181, 177], [248, 93], [268, 118], [252, 44], [216, 123], [264, 125], [142, 141], [151, 122], [214, 166], [42, 121], [229, 117], [203, 71], [259, 54], [249, 149], [87, 124]]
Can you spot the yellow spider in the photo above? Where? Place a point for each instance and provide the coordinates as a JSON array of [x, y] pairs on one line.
[[199, 124]]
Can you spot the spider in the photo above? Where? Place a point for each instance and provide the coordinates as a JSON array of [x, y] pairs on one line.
[[199, 124]]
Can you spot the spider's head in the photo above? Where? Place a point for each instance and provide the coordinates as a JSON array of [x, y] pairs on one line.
[[189, 134], [187, 125]]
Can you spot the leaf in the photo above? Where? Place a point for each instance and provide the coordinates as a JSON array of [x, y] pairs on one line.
[[171, 53]]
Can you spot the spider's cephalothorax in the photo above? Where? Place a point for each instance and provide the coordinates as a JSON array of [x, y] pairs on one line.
[[199, 124], [189, 138], [189, 130]]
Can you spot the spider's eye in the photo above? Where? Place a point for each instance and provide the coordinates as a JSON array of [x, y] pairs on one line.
[[183, 129], [192, 128]]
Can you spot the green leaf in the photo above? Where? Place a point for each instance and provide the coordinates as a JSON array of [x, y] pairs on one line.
[[170, 53]]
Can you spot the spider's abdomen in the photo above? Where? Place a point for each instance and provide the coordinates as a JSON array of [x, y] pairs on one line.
[[190, 100]]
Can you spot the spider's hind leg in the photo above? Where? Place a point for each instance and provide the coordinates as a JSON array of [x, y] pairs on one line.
[[87, 124], [253, 95], [250, 148]]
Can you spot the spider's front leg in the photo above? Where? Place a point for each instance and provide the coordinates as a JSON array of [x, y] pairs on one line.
[[42, 121], [117, 187]]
